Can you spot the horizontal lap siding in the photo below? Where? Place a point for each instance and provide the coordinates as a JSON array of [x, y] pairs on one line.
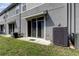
[[57, 15], [77, 18]]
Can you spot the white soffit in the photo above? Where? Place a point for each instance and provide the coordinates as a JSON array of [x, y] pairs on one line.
[[37, 14]]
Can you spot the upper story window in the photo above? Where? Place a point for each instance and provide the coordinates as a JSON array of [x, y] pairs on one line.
[[17, 10], [5, 16], [24, 7]]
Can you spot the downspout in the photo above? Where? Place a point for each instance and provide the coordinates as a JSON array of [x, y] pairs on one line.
[[20, 19], [74, 22], [72, 34], [70, 18], [5, 26], [74, 18], [5, 23]]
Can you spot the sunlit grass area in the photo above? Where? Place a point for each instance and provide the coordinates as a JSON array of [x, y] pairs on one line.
[[14, 47]]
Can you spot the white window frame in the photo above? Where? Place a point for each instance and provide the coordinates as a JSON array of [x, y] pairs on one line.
[[24, 4], [37, 29], [17, 9]]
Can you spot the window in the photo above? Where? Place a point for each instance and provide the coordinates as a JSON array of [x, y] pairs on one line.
[[24, 7], [17, 11], [5, 16]]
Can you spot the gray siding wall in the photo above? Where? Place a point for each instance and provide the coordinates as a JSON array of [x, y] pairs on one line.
[[10, 20], [24, 27], [2, 20], [55, 17], [57, 14], [13, 17], [11, 12], [77, 18]]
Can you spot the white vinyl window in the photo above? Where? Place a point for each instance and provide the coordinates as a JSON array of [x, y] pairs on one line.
[[24, 7], [5, 16], [17, 9]]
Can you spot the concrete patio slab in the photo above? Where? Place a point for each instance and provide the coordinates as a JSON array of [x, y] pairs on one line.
[[39, 41], [5, 35]]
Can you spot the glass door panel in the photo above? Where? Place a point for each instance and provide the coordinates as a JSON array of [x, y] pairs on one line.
[[10, 28], [33, 28], [40, 29], [29, 28]]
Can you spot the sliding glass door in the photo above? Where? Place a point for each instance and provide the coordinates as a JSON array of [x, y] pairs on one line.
[[1, 28], [11, 28], [36, 27]]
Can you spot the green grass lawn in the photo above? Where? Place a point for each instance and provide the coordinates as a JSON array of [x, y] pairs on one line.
[[14, 47]]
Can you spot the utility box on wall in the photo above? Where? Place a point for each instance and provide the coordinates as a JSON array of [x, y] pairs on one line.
[[60, 36]]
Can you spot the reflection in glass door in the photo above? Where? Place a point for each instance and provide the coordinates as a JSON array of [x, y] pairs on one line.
[[40, 29], [33, 28]]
